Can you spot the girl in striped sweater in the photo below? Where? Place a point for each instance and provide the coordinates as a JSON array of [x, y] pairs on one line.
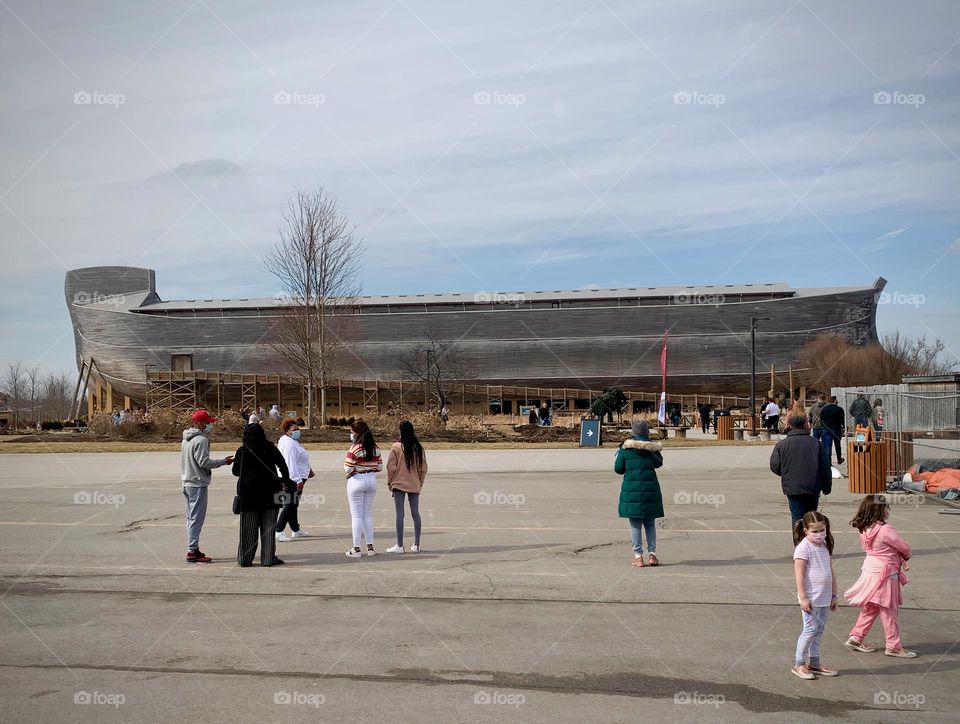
[[361, 466]]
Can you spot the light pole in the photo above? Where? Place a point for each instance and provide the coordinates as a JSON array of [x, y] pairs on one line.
[[753, 373]]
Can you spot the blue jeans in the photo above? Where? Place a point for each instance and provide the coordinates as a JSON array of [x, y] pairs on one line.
[[808, 645], [800, 504], [649, 527], [828, 439]]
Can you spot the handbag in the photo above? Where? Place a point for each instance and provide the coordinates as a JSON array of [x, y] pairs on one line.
[[236, 498]]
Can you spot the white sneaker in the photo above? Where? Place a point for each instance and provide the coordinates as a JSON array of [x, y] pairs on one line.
[[414, 549], [282, 536], [353, 554], [395, 549], [371, 552], [301, 534]]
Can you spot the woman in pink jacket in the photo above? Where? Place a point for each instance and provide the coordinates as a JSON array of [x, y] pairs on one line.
[[877, 591], [406, 471]]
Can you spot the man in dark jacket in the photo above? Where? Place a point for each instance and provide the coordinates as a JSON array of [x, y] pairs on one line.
[[832, 421], [803, 468], [860, 411]]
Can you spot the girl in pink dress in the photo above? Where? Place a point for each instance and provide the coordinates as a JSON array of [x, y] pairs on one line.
[[877, 591]]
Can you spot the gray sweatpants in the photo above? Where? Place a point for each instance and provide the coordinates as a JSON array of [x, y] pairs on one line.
[[196, 503]]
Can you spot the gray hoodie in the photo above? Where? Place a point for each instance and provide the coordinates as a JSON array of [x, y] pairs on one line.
[[195, 460]]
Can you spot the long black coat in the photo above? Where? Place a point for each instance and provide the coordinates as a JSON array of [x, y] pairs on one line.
[[255, 465]]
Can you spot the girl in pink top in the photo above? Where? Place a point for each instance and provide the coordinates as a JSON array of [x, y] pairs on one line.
[[877, 591]]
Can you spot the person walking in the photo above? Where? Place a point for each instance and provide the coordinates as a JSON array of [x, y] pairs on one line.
[[196, 468], [803, 469], [815, 424], [297, 459], [816, 591], [704, 411], [877, 417], [406, 471], [860, 411], [259, 490], [833, 422], [771, 415], [641, 501], [878, 590], [362, 464]]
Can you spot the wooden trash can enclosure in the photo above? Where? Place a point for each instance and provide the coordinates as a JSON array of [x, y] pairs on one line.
[[724, 425], [866, 463]]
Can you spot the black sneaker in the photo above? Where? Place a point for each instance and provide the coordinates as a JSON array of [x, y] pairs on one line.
[[277, 562]]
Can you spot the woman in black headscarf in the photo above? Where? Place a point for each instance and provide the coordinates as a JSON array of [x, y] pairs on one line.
[[260, 490]]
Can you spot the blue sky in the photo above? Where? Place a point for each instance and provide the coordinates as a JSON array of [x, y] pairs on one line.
[[483, 145]]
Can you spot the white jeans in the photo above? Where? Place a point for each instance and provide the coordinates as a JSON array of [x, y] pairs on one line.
[[360, 491]]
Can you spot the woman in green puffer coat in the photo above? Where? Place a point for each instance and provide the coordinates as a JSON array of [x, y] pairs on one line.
[[640, 499]]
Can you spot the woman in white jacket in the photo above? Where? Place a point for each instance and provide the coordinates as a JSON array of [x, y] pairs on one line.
[[298, 463]]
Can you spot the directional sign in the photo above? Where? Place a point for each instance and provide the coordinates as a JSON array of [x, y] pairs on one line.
[[589, 432]]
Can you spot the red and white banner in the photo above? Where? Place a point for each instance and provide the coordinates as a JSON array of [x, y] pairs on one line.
[[662, 412]]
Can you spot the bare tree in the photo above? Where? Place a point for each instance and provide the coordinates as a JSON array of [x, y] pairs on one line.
[[832, 361], [57, 391], [14, 381], [917, 355], [33, 384], [440, 364], [317, 261]]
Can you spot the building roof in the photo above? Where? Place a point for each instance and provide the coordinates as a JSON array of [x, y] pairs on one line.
[[764, 290]]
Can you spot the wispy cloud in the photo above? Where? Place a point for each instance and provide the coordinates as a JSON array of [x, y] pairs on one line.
[[884, 240]]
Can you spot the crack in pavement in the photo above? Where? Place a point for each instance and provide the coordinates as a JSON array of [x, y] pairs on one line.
[[136, 524]]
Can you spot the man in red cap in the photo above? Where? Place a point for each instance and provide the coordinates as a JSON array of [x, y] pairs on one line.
[[195, 467]]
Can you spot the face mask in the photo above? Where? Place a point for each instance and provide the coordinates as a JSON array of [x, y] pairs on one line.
[[353, 437], [817, 538], [295, 434], [208, 428]]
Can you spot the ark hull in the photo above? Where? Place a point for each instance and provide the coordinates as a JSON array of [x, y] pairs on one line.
[[120, 322]]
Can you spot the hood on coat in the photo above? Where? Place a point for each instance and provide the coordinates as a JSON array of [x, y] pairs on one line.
[[871, 533], [648, 445], [190, 433]]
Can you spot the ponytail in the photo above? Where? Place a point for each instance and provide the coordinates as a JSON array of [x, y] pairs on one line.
[[798, 534]]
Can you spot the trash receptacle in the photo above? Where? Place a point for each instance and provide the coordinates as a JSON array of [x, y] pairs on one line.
[[866, 467], [724, 424]]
